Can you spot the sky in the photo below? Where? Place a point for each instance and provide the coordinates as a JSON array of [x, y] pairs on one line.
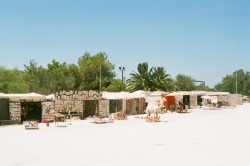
[[203, 39]]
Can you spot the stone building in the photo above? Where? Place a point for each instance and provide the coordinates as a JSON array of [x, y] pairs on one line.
[[16, 108], [81, 103]]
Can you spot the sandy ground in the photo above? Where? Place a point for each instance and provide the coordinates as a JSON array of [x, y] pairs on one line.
[[198, 138]]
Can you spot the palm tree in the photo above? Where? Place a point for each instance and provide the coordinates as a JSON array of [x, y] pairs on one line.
[[161, 80], [154, 79], [140, 80]]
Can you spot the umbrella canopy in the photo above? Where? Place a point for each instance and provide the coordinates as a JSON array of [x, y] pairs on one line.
[[175, 94]]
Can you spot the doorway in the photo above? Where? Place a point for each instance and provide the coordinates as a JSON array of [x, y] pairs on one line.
[[129, 106], [115, 106], [199, 100], [90, 108], [4, 109], [186, 101], [31, 111]]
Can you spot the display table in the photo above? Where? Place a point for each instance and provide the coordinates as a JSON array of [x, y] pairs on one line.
[[32, 124], [59, 118]]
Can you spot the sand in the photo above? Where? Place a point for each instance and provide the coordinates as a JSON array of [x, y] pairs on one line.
[[198, 138]]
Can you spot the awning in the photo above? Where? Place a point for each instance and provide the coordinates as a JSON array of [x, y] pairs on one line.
[[175, 94]]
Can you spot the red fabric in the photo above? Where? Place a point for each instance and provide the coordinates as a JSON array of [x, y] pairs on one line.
[[170, 101], [47, 120]]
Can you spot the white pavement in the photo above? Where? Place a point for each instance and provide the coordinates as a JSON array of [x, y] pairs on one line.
[[199, 138]]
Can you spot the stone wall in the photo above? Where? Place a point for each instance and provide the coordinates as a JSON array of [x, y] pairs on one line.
[[47, 108], [15, 113], [72, 101], [103, 107], [235, 99], [78, 95], [193, 102]]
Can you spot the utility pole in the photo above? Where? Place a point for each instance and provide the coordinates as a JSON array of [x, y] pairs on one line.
[[100, 82]]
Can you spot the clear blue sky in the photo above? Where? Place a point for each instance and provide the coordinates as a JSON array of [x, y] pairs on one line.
[[204, 39]]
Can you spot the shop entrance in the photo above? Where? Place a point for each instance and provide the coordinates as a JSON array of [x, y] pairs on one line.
[[129, 106], [31, 111], [4, 109], [90, 108], [199, 101], [115, 106], [186, 101]]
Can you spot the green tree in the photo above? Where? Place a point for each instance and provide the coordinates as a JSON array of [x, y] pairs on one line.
[[45, 81], [161, 80], [59, 76], [115, 86], [90, 69], [75, 71], [184, 83], [12, 81], [246, 87], [202, 87], [153, 79], [239, 78], [227, 84], [35, 77], [140, 80]]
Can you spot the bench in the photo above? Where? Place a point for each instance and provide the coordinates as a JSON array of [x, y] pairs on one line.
[[4, 121]]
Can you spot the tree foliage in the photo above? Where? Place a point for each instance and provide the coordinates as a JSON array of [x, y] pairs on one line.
[[184, 83], [12, 81], [115, 86], [202, 87], [92, 68], [239, 80], [141, 80], [60, 76], [153, 79], [161, 80], [37, 78]]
